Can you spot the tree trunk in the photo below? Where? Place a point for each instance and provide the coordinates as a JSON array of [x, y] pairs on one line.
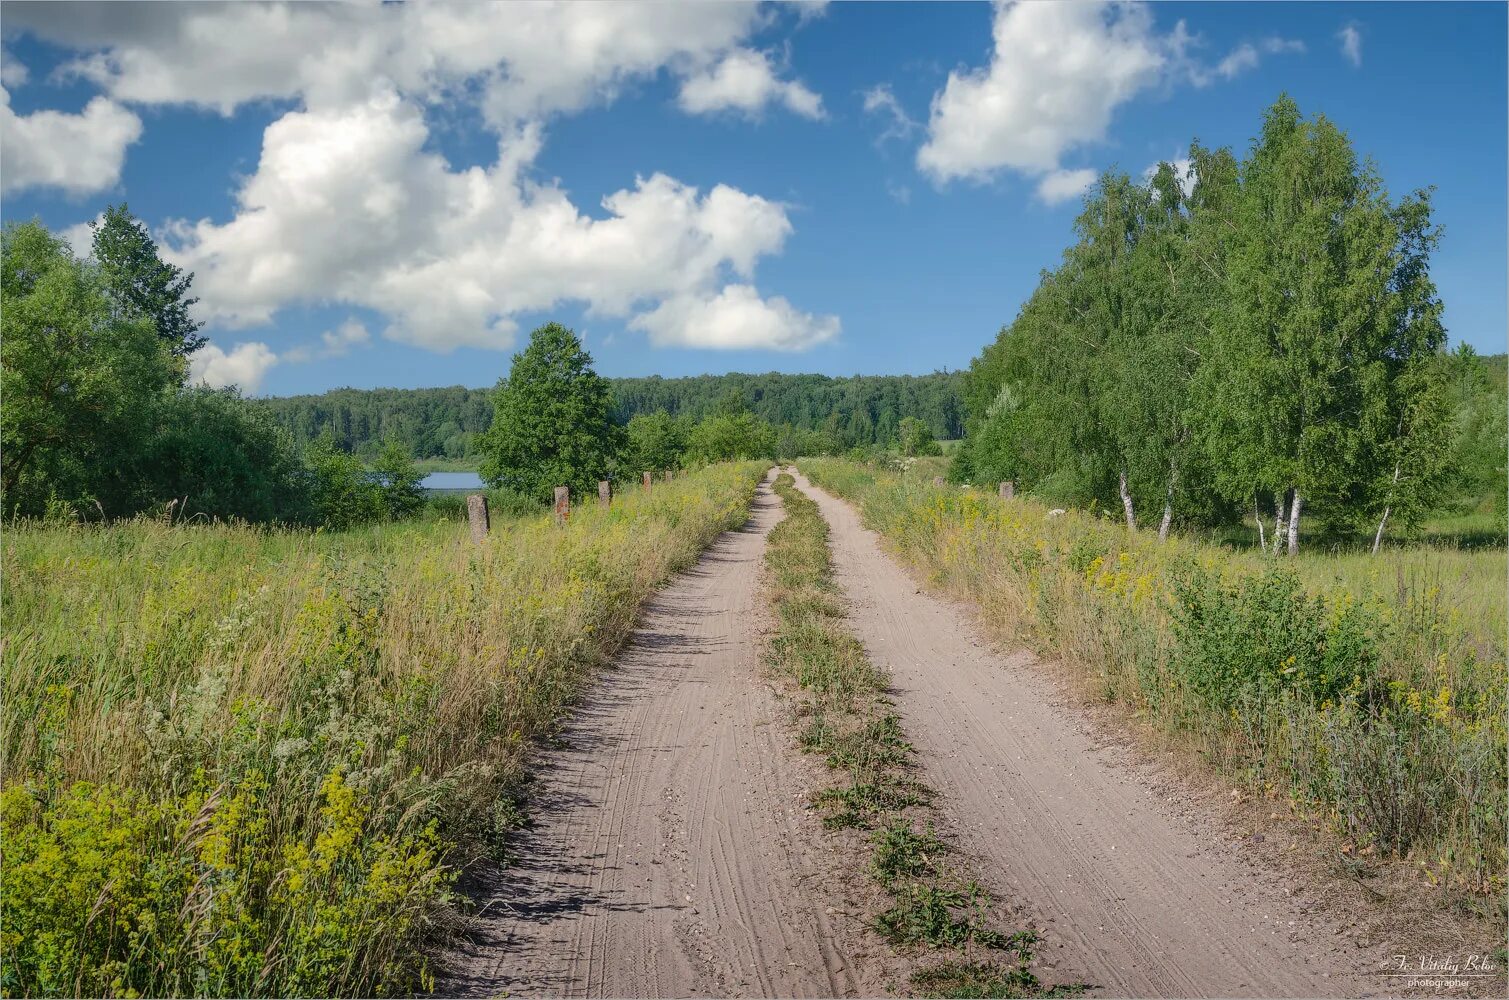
[[1281, 501], [1378, 538], [1294, 508], [1126, 504], [1168, 503]]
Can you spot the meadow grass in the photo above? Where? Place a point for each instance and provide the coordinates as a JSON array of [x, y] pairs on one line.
[[251, 762], [845, 714], [1368, 691]]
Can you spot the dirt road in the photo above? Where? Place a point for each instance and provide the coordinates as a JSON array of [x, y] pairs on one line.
[[1134, 898], [671, 854]]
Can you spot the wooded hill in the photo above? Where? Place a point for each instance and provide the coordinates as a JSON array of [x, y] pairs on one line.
[[444, 422]]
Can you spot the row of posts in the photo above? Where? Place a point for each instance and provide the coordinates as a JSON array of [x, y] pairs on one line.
[[479, 522], [1005, 491]]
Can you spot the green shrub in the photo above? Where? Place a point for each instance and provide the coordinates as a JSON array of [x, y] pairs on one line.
[[1265, 634]]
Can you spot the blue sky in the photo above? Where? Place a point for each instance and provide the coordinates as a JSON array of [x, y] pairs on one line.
[[382, 196]]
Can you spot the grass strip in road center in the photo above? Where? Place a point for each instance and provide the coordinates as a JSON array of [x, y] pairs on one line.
[[845, 714]]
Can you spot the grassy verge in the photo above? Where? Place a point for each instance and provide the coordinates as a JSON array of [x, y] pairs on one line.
[[1367, 692], [245, 762], [845, 715]]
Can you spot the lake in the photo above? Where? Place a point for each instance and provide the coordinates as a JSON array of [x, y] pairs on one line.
[[451, 482]]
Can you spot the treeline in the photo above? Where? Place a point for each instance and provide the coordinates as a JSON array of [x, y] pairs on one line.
[[554, 424], [1257, 341], [99, 419], [446, 423], [861, 410]]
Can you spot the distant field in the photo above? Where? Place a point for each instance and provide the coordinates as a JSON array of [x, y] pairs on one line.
[[248, 762]]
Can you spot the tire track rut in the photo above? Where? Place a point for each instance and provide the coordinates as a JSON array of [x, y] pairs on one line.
[[670, 854]]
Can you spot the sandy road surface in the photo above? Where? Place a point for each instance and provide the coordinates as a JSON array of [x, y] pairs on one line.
[[670, 856], [1133, 898]]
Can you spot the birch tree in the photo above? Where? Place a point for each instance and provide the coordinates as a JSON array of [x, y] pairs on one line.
[[1328, 303]]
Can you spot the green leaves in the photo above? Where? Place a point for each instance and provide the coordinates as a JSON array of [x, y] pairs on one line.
[[726, 437], [552, 422], [80, 384], [140, 284], [916, 438], [656, 442], [1273, 331]]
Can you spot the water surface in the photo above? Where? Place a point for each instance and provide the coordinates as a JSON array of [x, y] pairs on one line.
[[451, 482]]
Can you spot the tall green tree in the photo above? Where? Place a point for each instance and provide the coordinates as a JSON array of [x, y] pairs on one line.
[[914, 437], [1329, 302], [725, 437], [1413, 465], [552, 420], [656, 441], [140, 284], [224, 456], [399, 480], [80, 383], [342, 494]]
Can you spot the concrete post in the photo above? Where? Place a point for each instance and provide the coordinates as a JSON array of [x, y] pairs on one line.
[[646, 477], [666, 475], [476, 516], [937, 480], [562, 504], [604, 492], [1008, 489]]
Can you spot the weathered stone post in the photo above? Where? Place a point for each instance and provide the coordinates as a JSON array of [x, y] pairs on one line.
[[476, 516], [646, 477], [604, 492], [666, 475], [937, 480], [1008, 489], [562, 504]]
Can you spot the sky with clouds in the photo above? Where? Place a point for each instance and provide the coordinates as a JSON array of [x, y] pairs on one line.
[[394, 195]]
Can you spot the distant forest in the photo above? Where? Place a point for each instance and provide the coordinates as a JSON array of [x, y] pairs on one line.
[[444, 423]]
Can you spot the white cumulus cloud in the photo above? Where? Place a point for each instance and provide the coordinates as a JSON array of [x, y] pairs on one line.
[[349, 206], [735, 318], [1057, 72], [1240, 59], [80, 154], [745, 81], [1062, 185], [244, 366], [527, 60], [13, 72], [350, 203], [335, 343], [340, 341]]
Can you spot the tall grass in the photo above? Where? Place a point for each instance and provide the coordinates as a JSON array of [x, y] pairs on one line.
[[249, 762], [1368, 690]]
